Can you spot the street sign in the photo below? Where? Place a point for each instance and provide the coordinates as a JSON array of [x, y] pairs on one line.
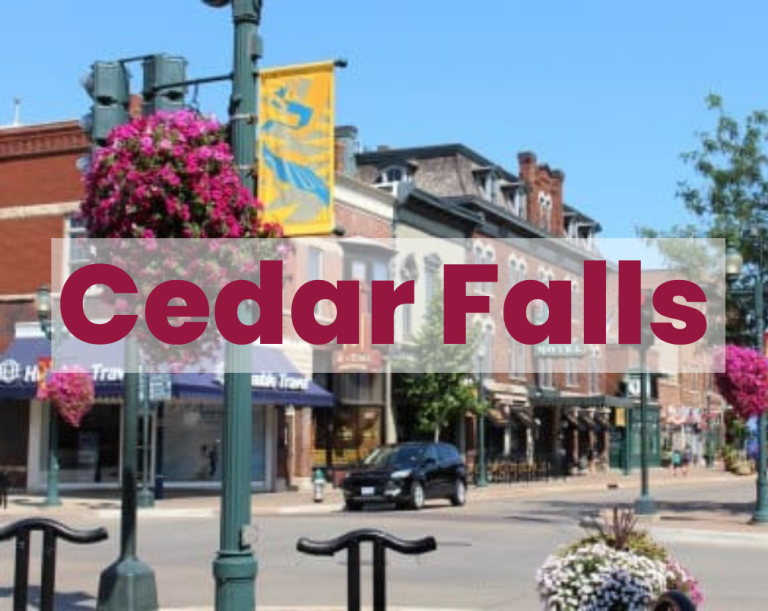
[[160, 387]]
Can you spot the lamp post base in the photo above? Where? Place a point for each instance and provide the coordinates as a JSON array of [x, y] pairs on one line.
[[145, 498], [128, 585], [645, 506], [235, 574]]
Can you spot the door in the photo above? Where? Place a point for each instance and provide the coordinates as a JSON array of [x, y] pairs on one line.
[[432, 481]]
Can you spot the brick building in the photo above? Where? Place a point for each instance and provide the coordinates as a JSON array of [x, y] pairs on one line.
[[566, 404], [41, 191]]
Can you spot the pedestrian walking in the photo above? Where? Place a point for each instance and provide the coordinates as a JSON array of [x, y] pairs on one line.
[[687, 457], [676, 460]]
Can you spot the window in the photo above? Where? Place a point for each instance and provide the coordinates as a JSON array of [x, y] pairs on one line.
[[79, 250], [78, 246], [545, 211], [432, 265], [516, 359], [574, 300], [447, 453], [486, 344], [407, 320], [546, 370], [594, 372], [571, 372], [392, 175], [487, 184], [315, 271], [519, 204]]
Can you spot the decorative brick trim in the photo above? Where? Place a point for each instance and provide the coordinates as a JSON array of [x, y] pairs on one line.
[[45, 139]]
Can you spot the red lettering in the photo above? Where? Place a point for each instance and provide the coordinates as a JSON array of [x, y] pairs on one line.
[[695, 320], [630, 302], [73, 293], [595, 297], [268, 294], [385, 300], [557, 327], [345, 328], [457, 304], [157, 312]]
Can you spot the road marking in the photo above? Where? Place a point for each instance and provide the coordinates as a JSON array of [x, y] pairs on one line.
[[710, 537], [111, 514]]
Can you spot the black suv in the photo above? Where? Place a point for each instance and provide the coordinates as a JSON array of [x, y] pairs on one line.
[[407, 474]]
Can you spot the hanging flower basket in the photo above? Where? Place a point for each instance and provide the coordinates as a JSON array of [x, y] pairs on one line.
[[71, 392], [744, 385], [173, 175]]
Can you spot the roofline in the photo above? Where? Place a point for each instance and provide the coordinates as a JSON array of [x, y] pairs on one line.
[[435, 150]]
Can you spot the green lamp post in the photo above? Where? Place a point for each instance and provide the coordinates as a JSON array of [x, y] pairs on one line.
[[235, 567], [734, 268], [43, 304]]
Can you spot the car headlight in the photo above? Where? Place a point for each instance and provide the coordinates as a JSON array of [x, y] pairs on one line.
[[403, 473]]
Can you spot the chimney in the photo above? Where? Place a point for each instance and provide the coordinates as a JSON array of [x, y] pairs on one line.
[[558, 219], [135, 104], [345, 149]]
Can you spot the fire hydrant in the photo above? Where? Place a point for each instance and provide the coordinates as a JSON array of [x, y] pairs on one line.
[[319, 481]]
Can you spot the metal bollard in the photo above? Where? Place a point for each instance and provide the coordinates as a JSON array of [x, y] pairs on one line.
[[319, 482]]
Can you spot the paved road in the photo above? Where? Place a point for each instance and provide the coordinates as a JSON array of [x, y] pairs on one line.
[[487, 556]]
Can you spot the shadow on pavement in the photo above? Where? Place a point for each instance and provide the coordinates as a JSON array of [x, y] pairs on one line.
[[64, 601]]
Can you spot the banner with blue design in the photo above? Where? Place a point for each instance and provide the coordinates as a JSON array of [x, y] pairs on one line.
[[296, 147]]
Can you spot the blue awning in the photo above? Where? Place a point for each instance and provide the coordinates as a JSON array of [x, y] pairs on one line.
[[18, 374]]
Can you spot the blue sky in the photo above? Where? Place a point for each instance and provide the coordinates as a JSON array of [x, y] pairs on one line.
[[610, 92]]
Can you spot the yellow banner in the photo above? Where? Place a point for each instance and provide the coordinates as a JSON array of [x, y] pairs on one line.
[[296, 147]]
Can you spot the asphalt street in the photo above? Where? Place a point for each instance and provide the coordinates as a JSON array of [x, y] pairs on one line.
[[487, 556]]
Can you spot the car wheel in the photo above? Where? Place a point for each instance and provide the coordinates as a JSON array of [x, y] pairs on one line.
[[459, 496], [353, 505], [417, 496]]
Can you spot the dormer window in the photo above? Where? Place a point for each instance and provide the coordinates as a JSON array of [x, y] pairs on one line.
[[392, 175], [487, 183], [545, 211]]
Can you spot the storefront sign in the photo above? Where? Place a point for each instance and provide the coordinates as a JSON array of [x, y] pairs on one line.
[[546, 349], [13, 372], [160, 387], [274, 381], [359, 358]]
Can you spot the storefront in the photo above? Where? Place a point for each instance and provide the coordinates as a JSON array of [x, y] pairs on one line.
[[184, 441]]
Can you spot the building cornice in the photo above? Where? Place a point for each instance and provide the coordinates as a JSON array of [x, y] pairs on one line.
[[38, 210], [46, 139]]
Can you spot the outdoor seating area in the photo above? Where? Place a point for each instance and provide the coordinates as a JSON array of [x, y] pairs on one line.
[[510, 470]]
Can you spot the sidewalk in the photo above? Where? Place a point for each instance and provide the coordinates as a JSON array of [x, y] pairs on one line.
[[105, 505]]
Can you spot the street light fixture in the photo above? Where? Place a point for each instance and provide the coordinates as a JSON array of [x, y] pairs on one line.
[[734, 263], [43, 306]]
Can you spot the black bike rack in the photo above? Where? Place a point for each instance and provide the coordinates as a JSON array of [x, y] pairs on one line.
[[52, 530], [381, 542]]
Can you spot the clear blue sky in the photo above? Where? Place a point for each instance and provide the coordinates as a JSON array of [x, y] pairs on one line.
[[610, 92]]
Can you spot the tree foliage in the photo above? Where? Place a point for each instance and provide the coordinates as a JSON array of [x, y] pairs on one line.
[[727, 198], [439, 393]]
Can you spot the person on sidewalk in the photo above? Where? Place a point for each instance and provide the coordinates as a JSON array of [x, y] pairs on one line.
[[676, 460], [687, 457]]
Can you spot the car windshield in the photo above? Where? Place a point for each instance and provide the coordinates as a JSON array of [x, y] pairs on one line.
[[396, 456]]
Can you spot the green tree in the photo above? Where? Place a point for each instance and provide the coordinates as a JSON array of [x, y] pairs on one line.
[[439, 384], [727, 197]]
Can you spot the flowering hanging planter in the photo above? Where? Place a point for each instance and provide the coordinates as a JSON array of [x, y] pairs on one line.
[[173, 175], [71, 392], [744, 384]]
